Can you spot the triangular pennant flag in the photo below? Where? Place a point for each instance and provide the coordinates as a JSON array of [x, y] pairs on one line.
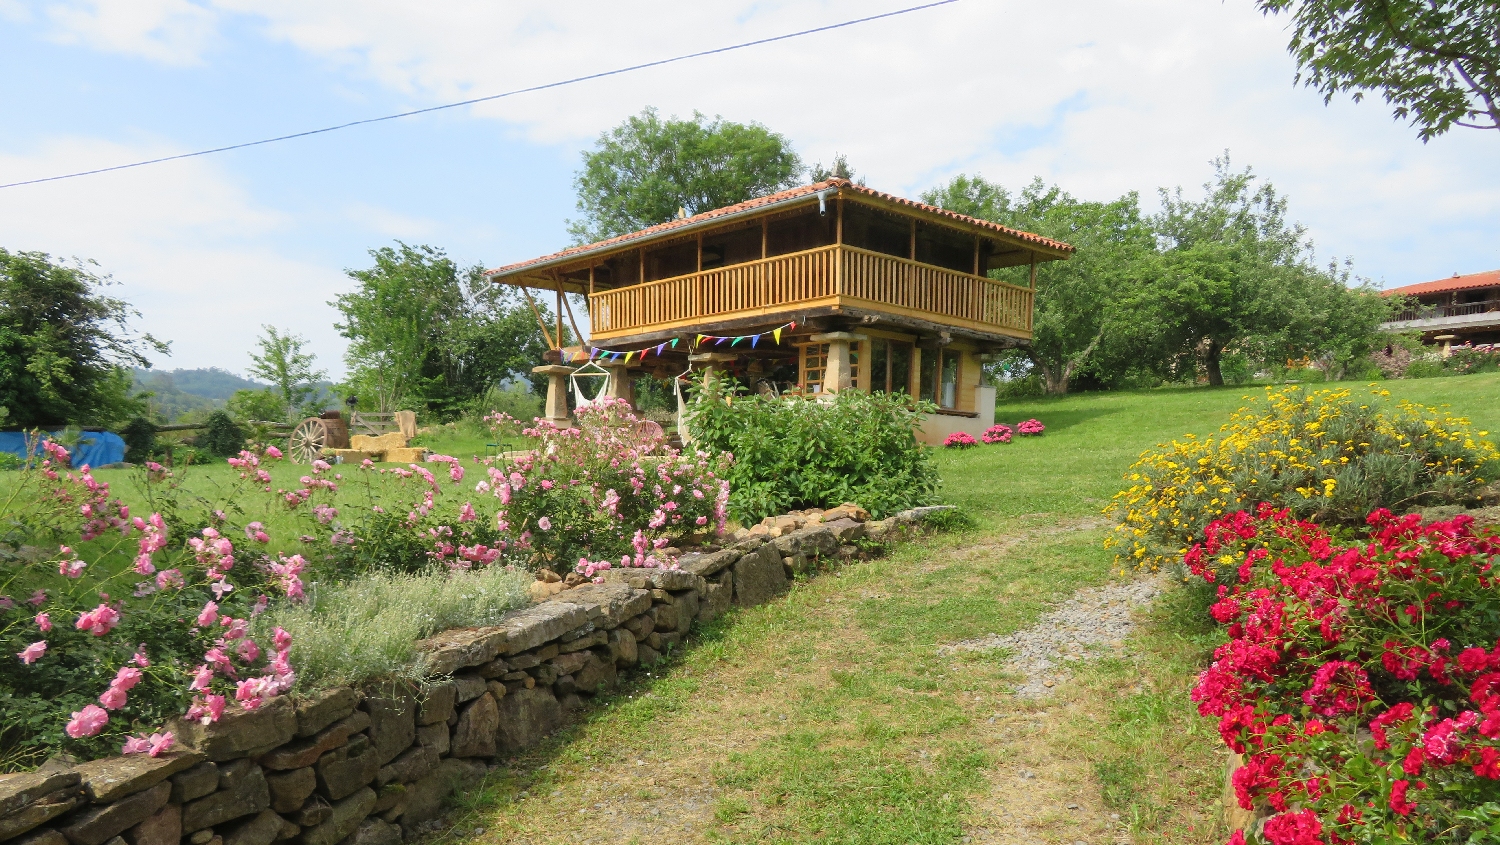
[[777, 335], [736, 340], [792, 326], [674, 343], [662, 346], [754, 340], [720, 341], [699, 341]]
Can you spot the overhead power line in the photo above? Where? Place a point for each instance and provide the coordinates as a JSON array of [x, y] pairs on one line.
[[533, 88]]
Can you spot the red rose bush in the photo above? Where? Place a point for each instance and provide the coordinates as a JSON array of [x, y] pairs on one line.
[[1361, 677]]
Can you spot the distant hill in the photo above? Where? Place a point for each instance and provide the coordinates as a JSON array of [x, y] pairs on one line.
[[209, 383], [178, 392]]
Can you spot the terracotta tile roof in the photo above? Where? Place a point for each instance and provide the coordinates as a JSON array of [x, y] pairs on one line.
[[1489, 279], [772, 199]]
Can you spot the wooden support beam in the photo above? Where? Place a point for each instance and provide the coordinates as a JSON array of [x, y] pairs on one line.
[[976, 255], [1032, 283], [838, 234], [571, 320], [536, 312], [765, 235], [591, 280], [913, 254], [700, 252], [642, 279], [557, 277]]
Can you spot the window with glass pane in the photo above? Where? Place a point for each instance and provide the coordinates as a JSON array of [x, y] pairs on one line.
[[814, 365], [879, 358], [854, 361], [927, 390], [950, 380], [900, 367]]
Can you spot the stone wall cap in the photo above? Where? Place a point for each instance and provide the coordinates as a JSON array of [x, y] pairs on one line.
[[552, 370], [113, 778], [830, 336], [23, 788]]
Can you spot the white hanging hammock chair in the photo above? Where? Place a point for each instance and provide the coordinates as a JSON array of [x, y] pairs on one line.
[[682, 426], [580, 399]]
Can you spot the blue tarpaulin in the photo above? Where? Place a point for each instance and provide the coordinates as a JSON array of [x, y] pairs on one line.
[[95, 448]]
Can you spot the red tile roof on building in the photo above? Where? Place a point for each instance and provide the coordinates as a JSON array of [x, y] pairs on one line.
[[1489, 279], [772, 199]]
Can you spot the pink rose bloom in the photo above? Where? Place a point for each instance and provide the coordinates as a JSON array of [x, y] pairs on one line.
[[44, 622], [170, 578], [466, 513], [161, 742], [113, 698], [248, 651], [71, 568], [201, 679], [136, 745], [38, 598], [273, 452], [87, 722], [544, 523], [126, 678], [282, 639], [209, 614], [31, 653], [219, 660], [140, 658], [546, 484], [455, 472], [144, 566]]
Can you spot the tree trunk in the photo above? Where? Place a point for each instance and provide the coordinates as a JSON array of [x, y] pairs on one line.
[[1211, 363]]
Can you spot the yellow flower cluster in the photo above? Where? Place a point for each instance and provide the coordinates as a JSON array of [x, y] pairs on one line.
[[1326, 455]]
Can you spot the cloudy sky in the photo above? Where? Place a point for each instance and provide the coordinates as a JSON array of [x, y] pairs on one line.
[[1099, 97]]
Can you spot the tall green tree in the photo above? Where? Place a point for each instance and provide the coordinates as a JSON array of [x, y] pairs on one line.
[[1436, 62], [424, 332], [65, 347], [643, 171], [1235, 272], [1077, 318], [284, 363]]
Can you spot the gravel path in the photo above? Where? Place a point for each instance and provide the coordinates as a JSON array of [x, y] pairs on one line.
[[1095, 620]]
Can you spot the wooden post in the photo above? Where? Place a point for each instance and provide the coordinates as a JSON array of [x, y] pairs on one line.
[[1033, 271], [976, 255], [913, 255], [700, 252], [591, 280], [838, 235], [557, 277], [765, 235], [536, 312], [642, 279], [572, 320]]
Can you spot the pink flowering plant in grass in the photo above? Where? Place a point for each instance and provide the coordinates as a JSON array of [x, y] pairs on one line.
[[112, 624], [959, 440], [1030, 428], [1361, 676], [997, 433]]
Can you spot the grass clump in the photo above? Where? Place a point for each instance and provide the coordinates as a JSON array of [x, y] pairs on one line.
[[367, 628]]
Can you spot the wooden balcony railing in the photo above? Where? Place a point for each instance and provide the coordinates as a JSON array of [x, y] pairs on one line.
[[830, 275]]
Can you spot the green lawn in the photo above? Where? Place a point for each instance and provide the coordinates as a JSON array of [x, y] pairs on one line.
[[829, 716]]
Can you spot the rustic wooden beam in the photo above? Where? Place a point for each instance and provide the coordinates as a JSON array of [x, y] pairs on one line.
[[913, 255], [572, 321], [1032, 283], [536, 312], [765, 235], [591, 280], [558, 277], [838, 234], [976, 255]]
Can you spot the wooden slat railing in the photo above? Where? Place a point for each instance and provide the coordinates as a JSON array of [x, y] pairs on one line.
[[825, 273]]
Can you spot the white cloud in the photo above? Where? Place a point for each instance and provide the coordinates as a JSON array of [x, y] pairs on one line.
[[173, 32], [187, 245], [1099, 97]]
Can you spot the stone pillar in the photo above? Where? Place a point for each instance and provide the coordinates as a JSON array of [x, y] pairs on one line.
[[840, 375], [556, 410], [621, 382], [708, 361]]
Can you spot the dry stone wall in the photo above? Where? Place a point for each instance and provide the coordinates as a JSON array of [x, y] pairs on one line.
[[373, 766]]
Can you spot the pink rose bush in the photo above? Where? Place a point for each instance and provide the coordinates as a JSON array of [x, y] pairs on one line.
[[1030, 428], [960, 440], [120, 615], [1361, 677], [997, 433]]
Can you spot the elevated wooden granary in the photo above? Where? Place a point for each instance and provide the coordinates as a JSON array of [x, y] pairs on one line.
[[815, 289]]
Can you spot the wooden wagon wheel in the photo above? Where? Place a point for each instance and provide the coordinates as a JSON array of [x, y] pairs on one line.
[[308, 439]]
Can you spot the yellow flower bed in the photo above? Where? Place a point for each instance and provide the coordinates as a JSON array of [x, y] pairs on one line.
[[1325, 454]]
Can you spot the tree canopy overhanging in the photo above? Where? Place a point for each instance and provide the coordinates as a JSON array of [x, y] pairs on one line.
[[1437, 62]]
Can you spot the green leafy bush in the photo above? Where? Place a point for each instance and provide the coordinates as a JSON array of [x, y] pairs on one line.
[[1422, 368], [140, 439], [791, 453], [222, 436]]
